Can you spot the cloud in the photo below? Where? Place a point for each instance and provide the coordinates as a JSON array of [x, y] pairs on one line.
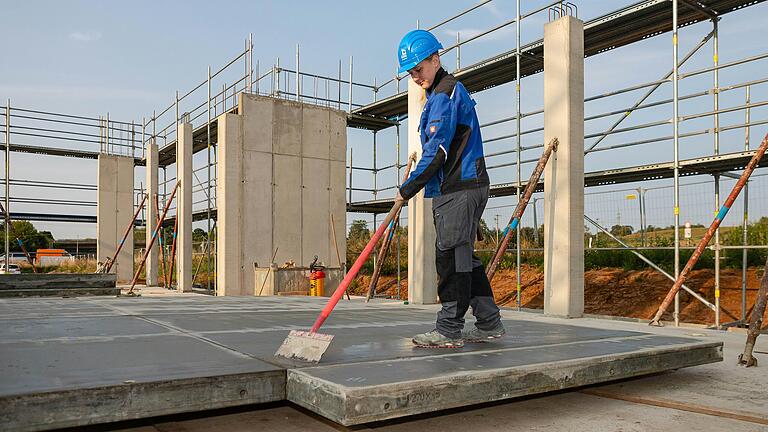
[[493, 9], [86, 36]]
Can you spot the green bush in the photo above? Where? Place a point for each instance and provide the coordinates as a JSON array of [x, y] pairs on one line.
[[757, 234], [595, 259]]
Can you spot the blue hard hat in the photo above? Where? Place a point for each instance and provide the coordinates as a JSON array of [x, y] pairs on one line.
[[416, 46]]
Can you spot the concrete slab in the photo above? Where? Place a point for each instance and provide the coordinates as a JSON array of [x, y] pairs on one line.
[[98, 365], [95, 360], [59, 285], [358, 393], [733, 398]]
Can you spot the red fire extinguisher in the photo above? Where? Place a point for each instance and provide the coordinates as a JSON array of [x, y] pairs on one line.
[[316, 279]]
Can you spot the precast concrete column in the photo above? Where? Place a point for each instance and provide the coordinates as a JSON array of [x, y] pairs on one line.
[[151, 213], [184, 206], [564, 175], [114, 211], [229, 200], [422, 275]]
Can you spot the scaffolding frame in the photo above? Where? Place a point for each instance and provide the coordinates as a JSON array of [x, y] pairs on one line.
[[241, 75]]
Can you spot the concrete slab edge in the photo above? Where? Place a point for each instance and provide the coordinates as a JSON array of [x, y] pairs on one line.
[[59, 292], [131, 400], [352, 406]]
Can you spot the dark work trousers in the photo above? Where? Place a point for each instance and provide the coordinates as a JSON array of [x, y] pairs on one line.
[[462, 282]]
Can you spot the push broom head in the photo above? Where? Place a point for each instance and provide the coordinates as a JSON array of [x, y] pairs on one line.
[[304, 345]]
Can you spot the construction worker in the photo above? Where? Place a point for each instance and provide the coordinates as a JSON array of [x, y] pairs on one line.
[[452, 172]]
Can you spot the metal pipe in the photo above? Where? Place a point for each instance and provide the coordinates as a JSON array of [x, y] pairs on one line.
[[95, 119], [397, 179], [174, 239], [53, 185], [338, 104], [535, 224], [152, 241], [653, 89], [724, 65], [756, 324], [298, 76], [144, 156], [648, 261], [466, 11], [716, 146], [110, 150], [723, 111], [250, 64], [643, 214], [518, 126], [257, 77], [375, 256], [378, 261], [458, 51], [680, 279], [7, 184], [208, 193], [745, 222], [520, 208], [676, 144], [621, 111], [216, 73], [274, 79], [621, 248], [351, 59], [59, 121], [161, 240], [277, 78], [375, 176], [111, 261], [350, 176]]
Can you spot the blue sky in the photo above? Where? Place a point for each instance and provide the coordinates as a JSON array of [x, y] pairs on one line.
[[128, 58]]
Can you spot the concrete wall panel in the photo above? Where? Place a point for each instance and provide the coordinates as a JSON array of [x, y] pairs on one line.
[[287, 128], [257, 126], [338, 135], [277, 185], [316, 218], [256, 223], [316, 134], [287, 208], [114, 211], [338, 207]]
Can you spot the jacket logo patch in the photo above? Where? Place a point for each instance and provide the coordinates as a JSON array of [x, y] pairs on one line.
[[432, 129]]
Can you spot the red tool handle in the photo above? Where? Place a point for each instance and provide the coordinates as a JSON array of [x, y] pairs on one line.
[[355, 268], [361, 258]]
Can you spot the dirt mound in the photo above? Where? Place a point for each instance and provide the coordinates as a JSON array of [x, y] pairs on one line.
[[615, 292]]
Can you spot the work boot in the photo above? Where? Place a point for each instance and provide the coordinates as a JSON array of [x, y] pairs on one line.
[[480, 335], [434, 339]]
